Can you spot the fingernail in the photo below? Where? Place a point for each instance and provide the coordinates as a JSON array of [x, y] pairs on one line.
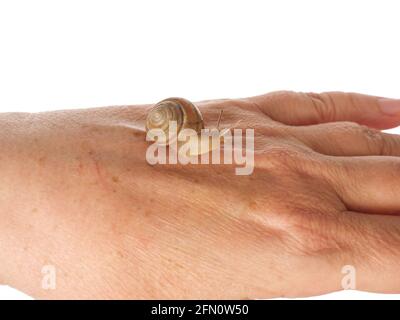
[[390, 106]]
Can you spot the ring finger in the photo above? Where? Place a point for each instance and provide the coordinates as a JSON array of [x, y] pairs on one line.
[[347, 139]]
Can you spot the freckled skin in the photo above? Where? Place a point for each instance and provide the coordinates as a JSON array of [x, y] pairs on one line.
[[78, 194], [115, 179]]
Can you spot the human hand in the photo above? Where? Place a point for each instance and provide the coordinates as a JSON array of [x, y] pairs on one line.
[[78, 194]]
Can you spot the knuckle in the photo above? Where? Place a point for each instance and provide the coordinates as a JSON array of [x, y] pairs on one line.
[[305, 223], [323, 105], [348, 127], [283, 95], [353, 128], [310, 231], [373, 139], [276, 99], [290, 159], [370, 133], [376, 143]]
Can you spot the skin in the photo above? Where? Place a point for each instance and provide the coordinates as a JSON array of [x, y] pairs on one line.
[[77, 194]]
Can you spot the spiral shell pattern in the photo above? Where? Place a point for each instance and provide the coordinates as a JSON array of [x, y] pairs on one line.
[[183, 112]]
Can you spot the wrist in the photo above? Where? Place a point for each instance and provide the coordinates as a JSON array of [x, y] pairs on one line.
[[62, 190]]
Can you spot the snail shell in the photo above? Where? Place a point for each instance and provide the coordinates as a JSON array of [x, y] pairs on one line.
[[183, 112]]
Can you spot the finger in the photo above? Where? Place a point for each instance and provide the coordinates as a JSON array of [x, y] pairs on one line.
[[294, 108], [347, 139], [373, 247], [366, 184]]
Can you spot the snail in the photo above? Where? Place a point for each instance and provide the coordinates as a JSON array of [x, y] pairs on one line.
[[185, 116]]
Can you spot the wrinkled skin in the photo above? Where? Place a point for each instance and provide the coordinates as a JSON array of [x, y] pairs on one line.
[[78, 194]]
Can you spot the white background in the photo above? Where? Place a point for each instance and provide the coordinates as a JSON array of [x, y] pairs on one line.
[[70, 54]]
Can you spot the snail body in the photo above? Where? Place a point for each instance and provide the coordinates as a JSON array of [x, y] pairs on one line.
[[185, 115]]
